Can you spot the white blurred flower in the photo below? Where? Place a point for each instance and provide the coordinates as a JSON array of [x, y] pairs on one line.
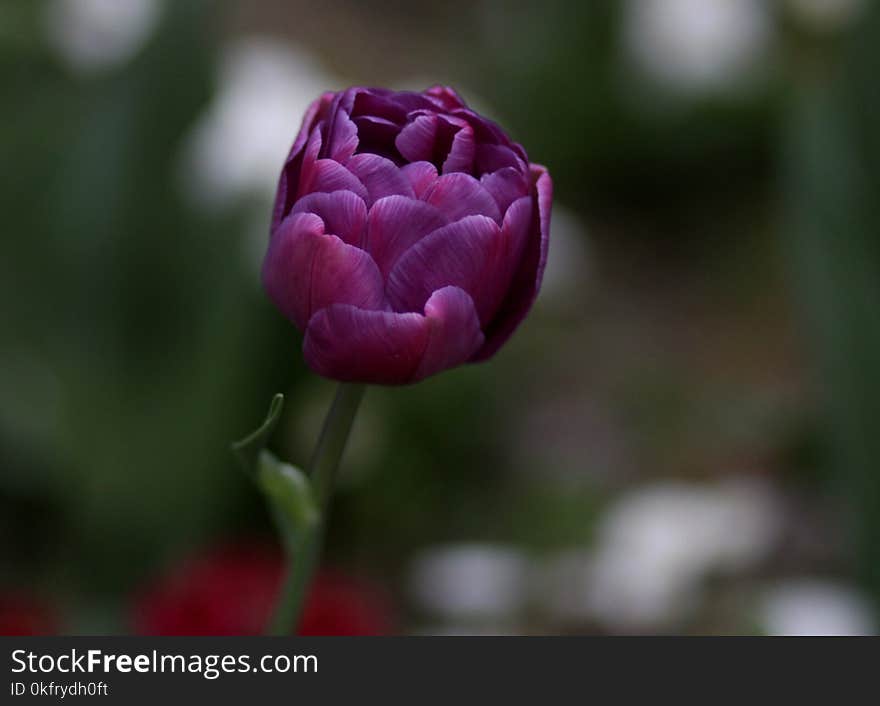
[[92, 35], [656, 545], [826, 15], [816, 607], [697, 44], [238, 146], [469, 582]]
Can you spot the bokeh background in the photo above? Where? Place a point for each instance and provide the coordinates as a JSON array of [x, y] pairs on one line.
[[682, 438]]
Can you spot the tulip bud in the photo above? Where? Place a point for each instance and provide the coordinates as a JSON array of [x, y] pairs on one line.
[[409, 235]]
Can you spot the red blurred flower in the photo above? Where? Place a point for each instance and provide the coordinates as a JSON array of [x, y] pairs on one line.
[[232, 592], [21, 615]]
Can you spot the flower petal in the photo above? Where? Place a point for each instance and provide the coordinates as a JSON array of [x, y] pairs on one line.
[[416, 141], [347, 343], [442, 140], [410, 100], [377, 135], [344, 213], [459, 195], [283, 200], [328, 176], [290, 171], [491, 158], [369, 103], [309, 156], [454, 331], [506, 185], [380, 176], [515, 231], [528, 276], [316, 112], [446, 96], [394, 224], [461, 154], [485, 130], [342, 139], [306, 270], [421, 175], [462, 254]]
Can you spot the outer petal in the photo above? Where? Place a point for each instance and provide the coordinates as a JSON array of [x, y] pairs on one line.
[[328, 176], [314, 113], [506, 185], [527, 279], [396, 223], [340, 131], [309, 157], [283, 197], [486, 131], [515, 232], [463, 254], [342, 138], [306, 270], [289, 172], [446, 96], [344, 342], [421, 175], [453, 329], [380, 176], [491, 158], [344, 213], [410, 100], [459, 195]]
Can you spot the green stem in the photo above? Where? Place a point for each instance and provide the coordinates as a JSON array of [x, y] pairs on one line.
[[298, 576], [304, 549], [331, 443]]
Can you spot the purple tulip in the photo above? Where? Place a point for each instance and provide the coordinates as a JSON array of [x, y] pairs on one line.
[[409, 235]]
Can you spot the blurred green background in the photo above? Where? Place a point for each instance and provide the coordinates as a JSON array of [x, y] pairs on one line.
[[681, 438]]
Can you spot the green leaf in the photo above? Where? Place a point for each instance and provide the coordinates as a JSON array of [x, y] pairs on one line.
[[248, 450], [290, 496], [285, 487]]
